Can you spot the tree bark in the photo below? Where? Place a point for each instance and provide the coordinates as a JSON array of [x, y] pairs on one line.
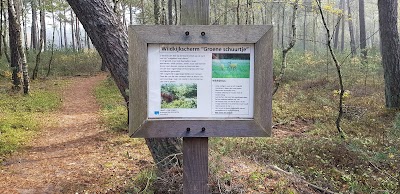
[[170, 19], [156, 12], [390, 48], [72, 32], [41, 42], [238, 12], [16, 64], [351, 30], [110, 38], [337, 27], [343, 27], [17, 51], [34, 40], [363, 38]]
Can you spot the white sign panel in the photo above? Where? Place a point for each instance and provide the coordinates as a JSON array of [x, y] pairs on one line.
[[200, 81]]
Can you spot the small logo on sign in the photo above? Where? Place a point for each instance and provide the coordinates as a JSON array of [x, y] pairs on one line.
[[157, 112]]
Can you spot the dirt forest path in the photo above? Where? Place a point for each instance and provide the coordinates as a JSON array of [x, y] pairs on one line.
[[75, 153]]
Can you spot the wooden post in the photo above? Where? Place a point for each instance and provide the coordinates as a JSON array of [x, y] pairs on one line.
[[195, 149]]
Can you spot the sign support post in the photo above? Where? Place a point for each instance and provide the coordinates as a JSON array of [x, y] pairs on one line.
[[195, 149]]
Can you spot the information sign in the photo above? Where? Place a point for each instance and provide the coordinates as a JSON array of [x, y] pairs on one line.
[[200, 81]]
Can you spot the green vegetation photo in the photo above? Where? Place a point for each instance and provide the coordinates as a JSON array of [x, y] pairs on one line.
[[178, 96], [230, 68]]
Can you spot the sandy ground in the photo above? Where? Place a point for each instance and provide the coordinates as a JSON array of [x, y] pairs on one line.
[[75, 153]]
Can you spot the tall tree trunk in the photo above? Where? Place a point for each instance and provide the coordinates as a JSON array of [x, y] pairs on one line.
[[247, 12], [5, 50], [238, 12], [351, 30], [337, 27], [176, 12], [43, 7], [78, 34], [52, 43], [170, 19], [343, 28], [156, 12], [34, 39], [109, 37], [72, 31], [390, 45], [226, 12], [363, 38], [130, 14], [143, 11], [305, 29], [60, 34], [41, 41], [18, 52], [1, 27], [65, 30], [16, 64], [23, 8]]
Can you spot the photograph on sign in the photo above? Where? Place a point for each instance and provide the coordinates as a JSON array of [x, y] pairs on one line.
[[200, 81]]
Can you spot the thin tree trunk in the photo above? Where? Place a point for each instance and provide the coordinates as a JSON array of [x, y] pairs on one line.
[[34, 39], [343, 28], [304, 29], [5, 50], [143, 12], [338, 70], [43, 7], [247, 12], [337, 27], [52, 43], [351, 30], [65, 31], [41, 42], [60, 34], [77, 34], [156, 12], [170, 19], [72, 31], [226, 12], [283, 25], [24, 26], [130, 14], [1, 27], [238, 12], [176, 12], [285, 51], [363, 38]]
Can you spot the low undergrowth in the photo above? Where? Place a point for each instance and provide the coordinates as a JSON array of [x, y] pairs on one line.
[[21, 116], [112, 104], [305, 141]]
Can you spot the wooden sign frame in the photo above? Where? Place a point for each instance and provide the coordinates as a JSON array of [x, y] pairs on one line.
[[140, 36]]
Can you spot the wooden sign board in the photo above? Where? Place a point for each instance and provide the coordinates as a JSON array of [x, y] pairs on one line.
[[200, 81]]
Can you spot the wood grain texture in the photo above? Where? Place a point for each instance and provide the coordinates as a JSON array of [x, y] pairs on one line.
[[263, 81], [213, 128], [195, 12], [195, 168], [229, 34], [137, 81]]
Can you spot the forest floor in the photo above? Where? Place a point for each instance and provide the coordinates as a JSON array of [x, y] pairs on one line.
[[74, 152]]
